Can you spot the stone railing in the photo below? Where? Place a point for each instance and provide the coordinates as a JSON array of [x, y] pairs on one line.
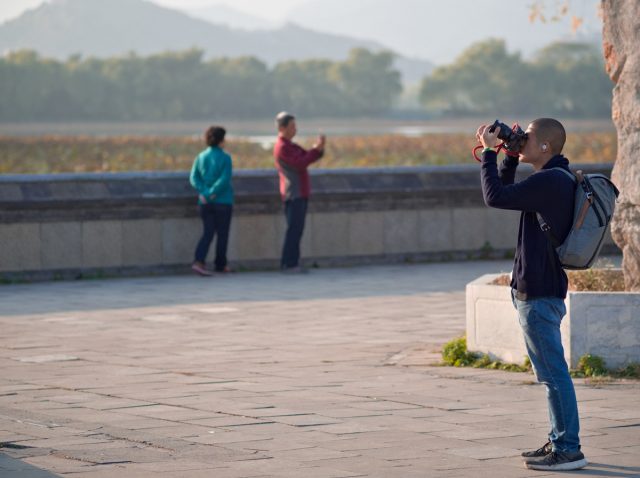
[[74, 225]]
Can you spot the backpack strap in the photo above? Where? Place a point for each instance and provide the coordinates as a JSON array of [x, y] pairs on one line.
[[569, 173], [547, 231], [553, 243], [543, 224]]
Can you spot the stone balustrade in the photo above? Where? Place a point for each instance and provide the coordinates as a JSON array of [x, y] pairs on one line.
[[74, 225]]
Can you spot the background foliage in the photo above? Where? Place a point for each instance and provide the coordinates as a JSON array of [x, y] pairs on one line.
[[564, 79], [179, 86], [57, 154]]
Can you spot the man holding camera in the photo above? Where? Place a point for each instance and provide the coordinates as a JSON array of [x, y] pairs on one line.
[[292, 162], [539, 284]]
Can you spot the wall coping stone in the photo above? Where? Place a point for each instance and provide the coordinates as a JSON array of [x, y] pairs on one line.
[[56, 197]]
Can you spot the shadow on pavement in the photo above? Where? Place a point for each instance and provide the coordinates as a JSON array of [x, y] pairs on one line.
[[12, 468], [318, 284], [344, 283]]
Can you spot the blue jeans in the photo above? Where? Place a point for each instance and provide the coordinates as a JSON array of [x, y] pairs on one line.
[[540, 319]]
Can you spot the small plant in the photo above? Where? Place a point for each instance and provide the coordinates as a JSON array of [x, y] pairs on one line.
[[630, 371], [486, 250], [592, 366], [485, 362], [455, 353]]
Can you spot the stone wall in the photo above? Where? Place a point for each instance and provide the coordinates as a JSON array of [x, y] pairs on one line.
[[109, 224]]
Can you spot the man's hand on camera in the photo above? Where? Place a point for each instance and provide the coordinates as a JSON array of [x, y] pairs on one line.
[[487, 138], [203, 199], [322, 139]]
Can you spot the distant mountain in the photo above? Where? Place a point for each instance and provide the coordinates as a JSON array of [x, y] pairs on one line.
[[115, 27], [224, 15], [441, 30]]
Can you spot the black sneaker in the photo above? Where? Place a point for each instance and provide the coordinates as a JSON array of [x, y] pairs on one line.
[[558, 461], [544, 450]]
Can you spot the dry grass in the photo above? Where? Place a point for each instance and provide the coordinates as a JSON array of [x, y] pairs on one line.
[[63, 154], [590, 280], [596, 280]]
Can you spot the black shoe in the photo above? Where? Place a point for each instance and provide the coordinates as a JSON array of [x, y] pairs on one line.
[[558, 461], [544, 450]]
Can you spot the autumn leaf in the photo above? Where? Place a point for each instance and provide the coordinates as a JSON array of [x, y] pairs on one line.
[[576, 23]]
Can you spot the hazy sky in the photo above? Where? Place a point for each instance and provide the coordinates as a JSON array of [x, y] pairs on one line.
[[414, 33], [271, 9]]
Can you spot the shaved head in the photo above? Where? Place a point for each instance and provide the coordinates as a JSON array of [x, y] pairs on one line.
[[550, 131]]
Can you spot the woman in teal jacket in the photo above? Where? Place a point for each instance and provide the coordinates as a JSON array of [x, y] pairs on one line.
[[211, 177]]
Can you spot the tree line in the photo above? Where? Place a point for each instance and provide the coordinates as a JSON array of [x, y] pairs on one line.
[[563, 79], [181, 85]]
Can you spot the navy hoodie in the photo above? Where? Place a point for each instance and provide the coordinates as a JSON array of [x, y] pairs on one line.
[[548, 192]]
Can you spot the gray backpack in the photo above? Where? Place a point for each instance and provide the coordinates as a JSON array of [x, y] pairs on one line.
[[595, 201]]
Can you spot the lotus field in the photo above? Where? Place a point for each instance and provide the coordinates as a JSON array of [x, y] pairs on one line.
[[68, 154]]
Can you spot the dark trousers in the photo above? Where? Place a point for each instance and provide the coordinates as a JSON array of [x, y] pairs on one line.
[[216, 219], [295, 211]]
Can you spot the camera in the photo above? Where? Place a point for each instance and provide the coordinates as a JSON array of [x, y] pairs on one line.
[[514, 138]]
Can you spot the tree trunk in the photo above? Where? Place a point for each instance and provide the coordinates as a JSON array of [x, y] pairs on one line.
[[621, 42]]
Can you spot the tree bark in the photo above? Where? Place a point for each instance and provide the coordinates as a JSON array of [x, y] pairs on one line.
[[621, 43]]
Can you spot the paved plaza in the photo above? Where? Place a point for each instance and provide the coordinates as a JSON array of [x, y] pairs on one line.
[[331, 374]]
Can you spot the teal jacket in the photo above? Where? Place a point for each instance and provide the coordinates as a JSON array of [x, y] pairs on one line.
[[211, 176]]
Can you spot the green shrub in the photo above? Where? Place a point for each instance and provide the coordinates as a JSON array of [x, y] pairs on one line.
[[592, 366], [455, 353], [483, 362], [630, 371]]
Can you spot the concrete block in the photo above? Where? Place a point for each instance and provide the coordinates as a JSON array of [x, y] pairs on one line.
[[329, 233], [469, 229], [102, 244], [366, 234], [257, 236], [492, 321], [141, 242], [232, 248], [597, 323], [605, 324], [502, 228], [61, 245], [179, 240], [401, 231], [435, 230], [20, 247]]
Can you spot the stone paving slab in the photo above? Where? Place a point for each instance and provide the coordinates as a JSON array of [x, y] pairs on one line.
[[331, 374]]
